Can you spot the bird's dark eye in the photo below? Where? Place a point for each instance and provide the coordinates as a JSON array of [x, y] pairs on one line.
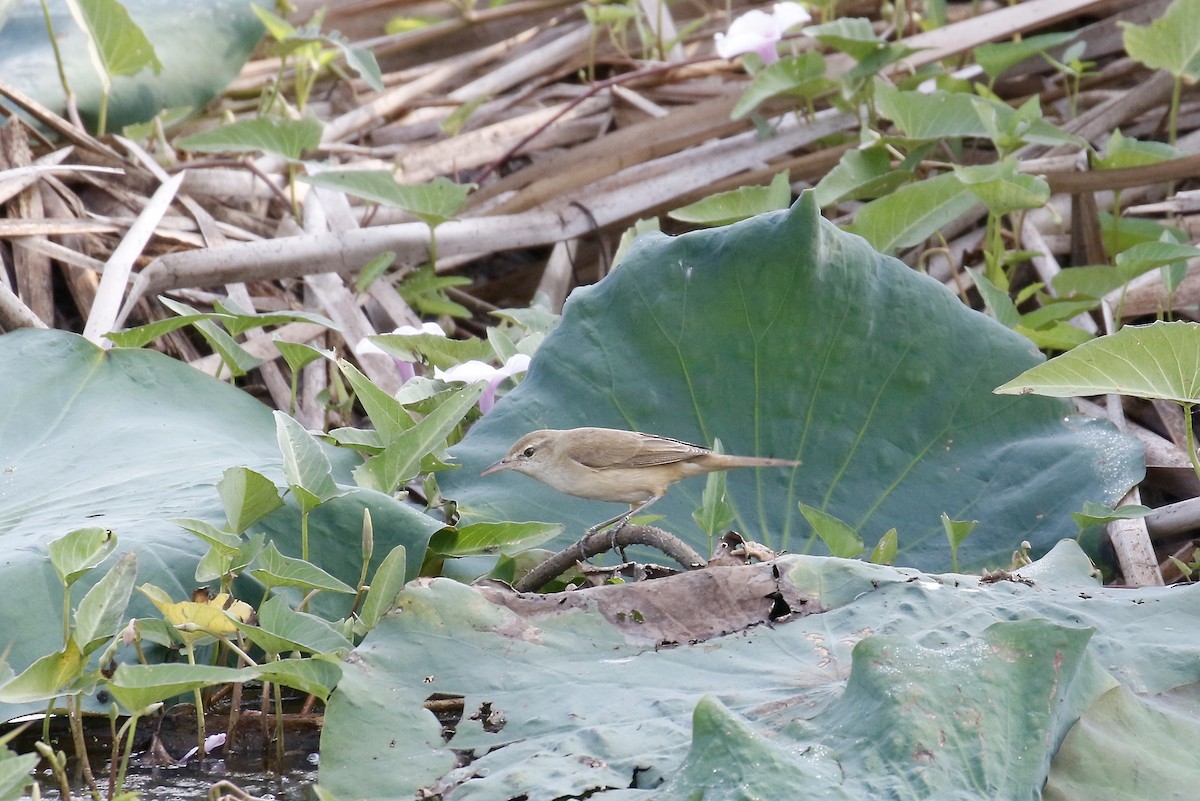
[[527, 452]]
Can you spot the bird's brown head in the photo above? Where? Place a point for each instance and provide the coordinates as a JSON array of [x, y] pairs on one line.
[[532, 454]]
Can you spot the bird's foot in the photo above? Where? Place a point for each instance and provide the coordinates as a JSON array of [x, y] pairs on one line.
[[614, 528], [612, 539]]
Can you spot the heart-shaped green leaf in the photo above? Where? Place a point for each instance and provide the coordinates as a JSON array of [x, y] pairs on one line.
[[1160, 361], [1171, 42]]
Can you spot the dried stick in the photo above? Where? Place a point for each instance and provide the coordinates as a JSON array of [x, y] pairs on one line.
[[602, 541]]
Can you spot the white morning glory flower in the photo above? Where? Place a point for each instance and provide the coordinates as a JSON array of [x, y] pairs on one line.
[[474, 370], [759, 32]]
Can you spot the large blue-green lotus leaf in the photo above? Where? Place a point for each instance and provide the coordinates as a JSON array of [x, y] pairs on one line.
[[910, 685], [784, 336], [127, 440], [202, 46]]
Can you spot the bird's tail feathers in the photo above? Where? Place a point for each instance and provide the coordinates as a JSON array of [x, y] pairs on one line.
[[756, 461]]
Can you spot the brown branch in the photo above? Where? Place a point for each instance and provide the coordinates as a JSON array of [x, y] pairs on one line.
[[602, 541]]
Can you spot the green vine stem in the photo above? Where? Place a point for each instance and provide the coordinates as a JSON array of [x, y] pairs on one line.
[[1191, 437]]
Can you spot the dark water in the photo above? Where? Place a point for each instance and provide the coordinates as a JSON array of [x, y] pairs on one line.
[[194, 781], [251, 765]]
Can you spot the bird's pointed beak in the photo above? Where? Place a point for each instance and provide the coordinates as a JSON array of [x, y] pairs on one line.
[[496, 467]]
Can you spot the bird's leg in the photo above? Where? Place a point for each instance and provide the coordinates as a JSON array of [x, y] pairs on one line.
[[601, 526], [592, 530], [619, 521], [616, 527], [623, 518], [616, 523]]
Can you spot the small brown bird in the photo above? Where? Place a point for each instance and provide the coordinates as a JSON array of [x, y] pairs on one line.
[[606, 464]]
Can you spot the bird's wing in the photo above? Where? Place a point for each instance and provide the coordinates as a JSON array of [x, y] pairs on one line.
[[636, 450]]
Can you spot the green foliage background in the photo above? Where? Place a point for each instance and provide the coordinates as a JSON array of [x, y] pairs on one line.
[[127, 440]]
